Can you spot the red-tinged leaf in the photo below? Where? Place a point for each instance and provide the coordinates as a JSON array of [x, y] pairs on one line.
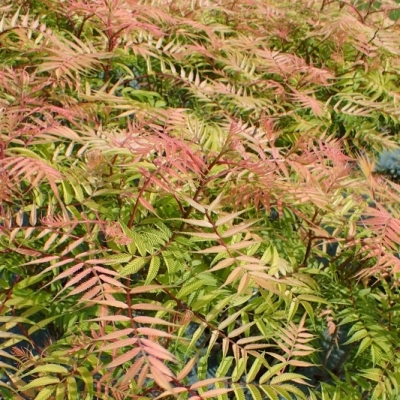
[[128, 356], [227, 218], [302, 353], [256, 346], [112, 281], [251, 260], [223, 264], [215, 203], [207, 382], [115, 335], [147, 288], [42, 260], [59, 264], [250, 339], [90, 294], [147, 205], [133, 370], [197, 222], [88, 253], [298, 363], [154, 345], [277, 356], [153, 307], [234, 275], [73, 245], [105, 270], [154, 332], [56, 265], [213, 249], [70, 271], [50, 241], [160, 379], [225, 346], [143, 375], [76, 278], [84, 286], [307, 101], [157, 363], [241, 329], [244, 283], [243, 244], [152, 320], [119, 344], [162, 356], [215, 392], [159, 183], [187, 368], [237, 229], [267, 285], [111, 303], [194, 204]]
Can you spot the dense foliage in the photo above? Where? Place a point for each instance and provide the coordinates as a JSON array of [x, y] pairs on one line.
[[189, 206]]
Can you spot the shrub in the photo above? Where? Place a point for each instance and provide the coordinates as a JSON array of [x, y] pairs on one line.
[[188, 202]]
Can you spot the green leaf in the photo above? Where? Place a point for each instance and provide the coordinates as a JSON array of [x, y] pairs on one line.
[[376, 354], [196, 336], [309, 310], [294, 305], [72, 388], [288, 376], [373, 374], [43, 381], [270, 392], [189, 288], [67, 192], [221, 385], [49, 368], [134, 266], [272, 371], [86, 376], [170, 262], [253, 371], [312, 298], [238, 370], [153, 269], [238, 390], [361, 334], [255, 393], [118, 259], [45, 393], [60, 393], [224, 367], [365, 343]]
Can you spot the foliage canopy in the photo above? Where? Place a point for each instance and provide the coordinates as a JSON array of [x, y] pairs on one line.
[[188, 200]]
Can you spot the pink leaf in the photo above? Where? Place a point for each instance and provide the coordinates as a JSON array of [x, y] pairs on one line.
[[130, 355]]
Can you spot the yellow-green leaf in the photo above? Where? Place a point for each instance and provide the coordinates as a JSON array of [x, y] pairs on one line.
[[365, 343], [60, 393], [43, 381], [253, 371], [72, 388], [50, 368], [45, 393], [153, 269], [133, 267]]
